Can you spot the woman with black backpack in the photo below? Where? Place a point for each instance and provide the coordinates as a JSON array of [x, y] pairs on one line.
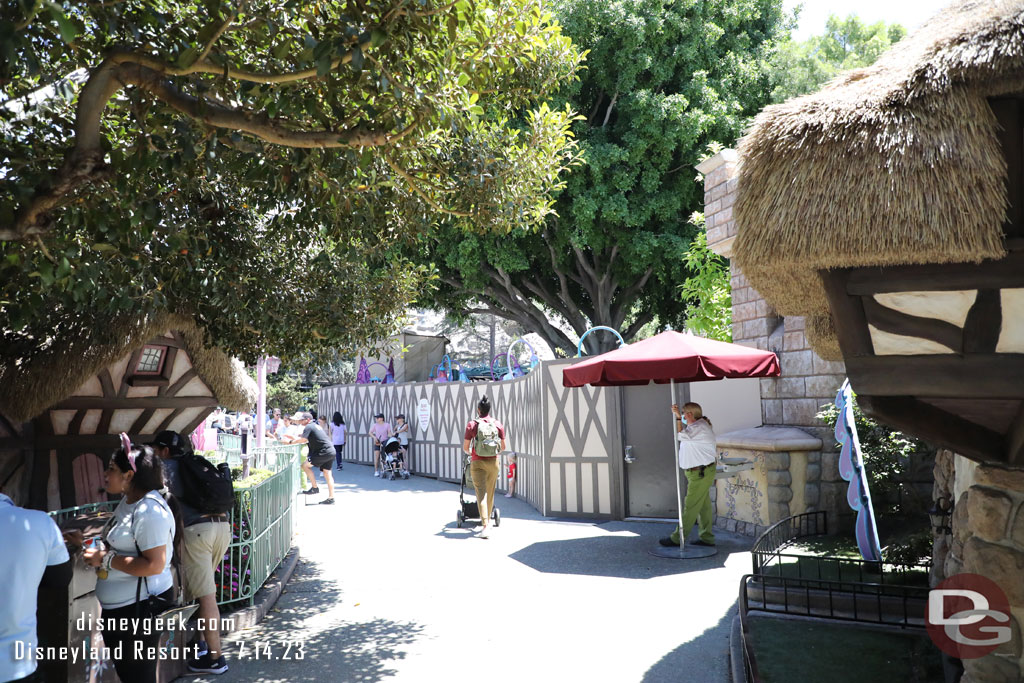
[[134, 568], [485, 440]]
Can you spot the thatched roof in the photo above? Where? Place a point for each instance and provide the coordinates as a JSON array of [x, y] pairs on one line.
[[69, 359], [897, 163]]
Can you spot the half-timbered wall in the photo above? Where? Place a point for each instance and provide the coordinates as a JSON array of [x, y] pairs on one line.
[[73, 439], [564, 438]]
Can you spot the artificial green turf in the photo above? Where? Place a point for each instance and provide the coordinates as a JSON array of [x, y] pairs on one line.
[[796, 651]]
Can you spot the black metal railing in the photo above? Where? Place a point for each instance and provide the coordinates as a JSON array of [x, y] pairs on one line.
[[869, 603], [878, 604], [769, 559]]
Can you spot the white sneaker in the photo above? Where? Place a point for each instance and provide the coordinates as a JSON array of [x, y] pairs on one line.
[[508, 495], [483, 533], [376, 473]]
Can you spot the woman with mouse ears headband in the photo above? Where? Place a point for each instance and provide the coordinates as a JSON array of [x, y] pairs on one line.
[[135, 562]]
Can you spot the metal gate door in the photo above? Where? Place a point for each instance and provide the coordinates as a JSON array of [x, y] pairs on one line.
[[646, 429]]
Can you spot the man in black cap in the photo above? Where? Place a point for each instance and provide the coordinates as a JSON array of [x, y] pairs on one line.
[[321, 454], [206, 540]]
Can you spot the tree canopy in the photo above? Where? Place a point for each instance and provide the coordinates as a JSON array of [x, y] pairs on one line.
[[663, 79], [245, 163], [801, 67]]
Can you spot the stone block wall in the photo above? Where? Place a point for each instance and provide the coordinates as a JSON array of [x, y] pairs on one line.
[[808, 381], [987, 539]]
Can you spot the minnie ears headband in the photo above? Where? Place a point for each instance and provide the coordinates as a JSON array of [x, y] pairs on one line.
[[126, 445]]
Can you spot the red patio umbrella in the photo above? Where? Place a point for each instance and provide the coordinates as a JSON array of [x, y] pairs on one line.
[[668, 358], [671, 357]]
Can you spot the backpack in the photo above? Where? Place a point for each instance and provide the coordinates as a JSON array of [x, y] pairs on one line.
[[207, 489], [488, 440]]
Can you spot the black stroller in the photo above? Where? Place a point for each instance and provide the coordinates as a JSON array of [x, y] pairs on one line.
[[470, 509], [392, 460]]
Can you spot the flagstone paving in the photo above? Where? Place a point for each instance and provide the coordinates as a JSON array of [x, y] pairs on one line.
[[389, 589]]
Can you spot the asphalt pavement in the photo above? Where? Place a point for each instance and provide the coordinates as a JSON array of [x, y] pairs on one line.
[[389, 589]]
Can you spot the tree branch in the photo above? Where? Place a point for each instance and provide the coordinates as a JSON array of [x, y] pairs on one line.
[[611, 105], [415, 187], [627, 297], [219, 32], [634, 328]]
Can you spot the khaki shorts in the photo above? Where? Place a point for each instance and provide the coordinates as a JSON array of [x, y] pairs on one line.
[[201, 554]]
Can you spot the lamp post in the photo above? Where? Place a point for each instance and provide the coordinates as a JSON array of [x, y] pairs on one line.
[[941, 515], [266, 364]]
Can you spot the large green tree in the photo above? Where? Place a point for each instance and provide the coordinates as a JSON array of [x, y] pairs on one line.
[[801, 67], [663, 79], [245, 162]]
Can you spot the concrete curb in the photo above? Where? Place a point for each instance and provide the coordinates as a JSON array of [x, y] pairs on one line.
[[736, 666], [266, 597]]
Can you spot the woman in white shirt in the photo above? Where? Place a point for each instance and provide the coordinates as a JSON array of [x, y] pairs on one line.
[[338, 437], [135, 563], [697, 455]]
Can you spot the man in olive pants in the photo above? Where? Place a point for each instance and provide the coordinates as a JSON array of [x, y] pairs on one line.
[[697, 456]]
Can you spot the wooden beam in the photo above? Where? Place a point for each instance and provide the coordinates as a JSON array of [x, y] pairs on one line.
[[107, 382], [40, 478], [166, 424], [104, 424], [989, 375], [78, 443], [847, 314], [940, 277], [75, 425], [148, 381], [142, 420], [984, 322], [897, 322], [133, 362], [1015, 439], [187, 377], [143, 402], [936, 426], [66, 478], [174, 342]]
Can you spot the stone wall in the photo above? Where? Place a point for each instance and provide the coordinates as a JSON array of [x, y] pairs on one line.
[[784, 480], [807, 380], [987, 539]]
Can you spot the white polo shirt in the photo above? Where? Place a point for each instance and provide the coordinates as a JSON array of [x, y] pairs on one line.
[[697, 445], [31, 543]]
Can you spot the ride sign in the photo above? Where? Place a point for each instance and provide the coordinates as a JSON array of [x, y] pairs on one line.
[[423, 411]]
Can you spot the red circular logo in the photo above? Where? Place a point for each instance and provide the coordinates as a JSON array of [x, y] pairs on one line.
[[968, 616]]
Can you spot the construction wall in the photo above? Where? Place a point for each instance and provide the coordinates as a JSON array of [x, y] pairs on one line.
[[567, 440]]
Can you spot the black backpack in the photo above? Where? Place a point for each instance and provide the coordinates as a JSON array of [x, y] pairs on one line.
[[207, 489]]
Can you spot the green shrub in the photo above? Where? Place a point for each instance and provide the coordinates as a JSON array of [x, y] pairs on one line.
[[886, 454]]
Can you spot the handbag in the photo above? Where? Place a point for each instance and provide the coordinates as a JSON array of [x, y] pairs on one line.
[[170, 611]]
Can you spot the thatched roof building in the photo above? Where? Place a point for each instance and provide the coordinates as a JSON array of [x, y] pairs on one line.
[[30, 386], [64, 399], [897, 163]]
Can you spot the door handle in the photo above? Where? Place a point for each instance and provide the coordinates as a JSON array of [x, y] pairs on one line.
[[629, 456]]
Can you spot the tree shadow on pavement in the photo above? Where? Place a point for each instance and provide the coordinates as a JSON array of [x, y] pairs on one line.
[[616, 556], [324, 645], [704, 659]]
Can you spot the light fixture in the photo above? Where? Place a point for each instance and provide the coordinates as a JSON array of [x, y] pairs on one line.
[[941, 515]]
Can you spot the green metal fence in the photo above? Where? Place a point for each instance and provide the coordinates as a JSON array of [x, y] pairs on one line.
[[261, 526], [261, 522]]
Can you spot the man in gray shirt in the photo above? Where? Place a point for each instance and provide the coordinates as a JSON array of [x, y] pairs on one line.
[[321, 454]]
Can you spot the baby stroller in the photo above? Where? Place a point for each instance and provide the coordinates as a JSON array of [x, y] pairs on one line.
[[470, 509], [392, 461]]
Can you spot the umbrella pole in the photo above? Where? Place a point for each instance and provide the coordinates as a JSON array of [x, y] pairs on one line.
[[683, 552], [675, 466]]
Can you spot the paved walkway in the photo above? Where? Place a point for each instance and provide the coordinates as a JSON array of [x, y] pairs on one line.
[[389, 589]]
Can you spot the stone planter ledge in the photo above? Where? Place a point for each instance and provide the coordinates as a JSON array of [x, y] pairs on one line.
[[769, 439]]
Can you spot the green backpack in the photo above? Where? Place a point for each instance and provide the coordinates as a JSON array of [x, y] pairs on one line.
[[488, 440]]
